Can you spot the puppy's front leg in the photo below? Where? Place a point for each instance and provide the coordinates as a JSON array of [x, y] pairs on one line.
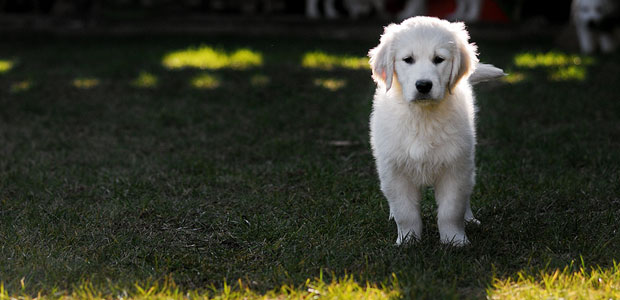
[[404, 200], [452, 194]]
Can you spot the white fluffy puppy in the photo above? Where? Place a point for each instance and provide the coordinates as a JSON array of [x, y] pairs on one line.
[[422, 127]]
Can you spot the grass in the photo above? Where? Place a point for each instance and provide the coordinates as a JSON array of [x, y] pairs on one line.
[[5, 65], [118, 171], [206, 57], [561, 284], [345, 288], [325, 61], [561, 66]]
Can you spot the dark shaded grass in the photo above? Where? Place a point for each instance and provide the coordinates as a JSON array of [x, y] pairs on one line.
[[121, 184]]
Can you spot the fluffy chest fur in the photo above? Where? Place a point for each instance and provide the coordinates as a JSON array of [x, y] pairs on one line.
[[422, 140]]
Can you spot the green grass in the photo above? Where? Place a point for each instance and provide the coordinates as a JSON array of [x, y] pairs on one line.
[[118, 171], [561, 284], [206, 57], [345, 288], [322, 60]]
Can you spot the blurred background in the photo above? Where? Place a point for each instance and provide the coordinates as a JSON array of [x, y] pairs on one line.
[[342, 18]]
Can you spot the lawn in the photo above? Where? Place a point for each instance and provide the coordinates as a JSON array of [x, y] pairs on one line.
[[188, 166]]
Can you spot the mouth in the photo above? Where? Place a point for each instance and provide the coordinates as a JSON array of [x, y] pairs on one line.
[[423, 102], [422, 98]]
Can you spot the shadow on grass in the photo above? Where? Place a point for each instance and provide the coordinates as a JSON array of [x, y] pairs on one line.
[[119, 168]]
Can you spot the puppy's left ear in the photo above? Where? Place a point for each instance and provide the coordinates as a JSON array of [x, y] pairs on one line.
[[465, 57]]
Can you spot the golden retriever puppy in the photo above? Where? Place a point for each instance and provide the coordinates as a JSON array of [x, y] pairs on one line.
[[422, 128]]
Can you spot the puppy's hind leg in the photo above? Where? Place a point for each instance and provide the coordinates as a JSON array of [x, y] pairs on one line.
[[469, 215], [404, 200]]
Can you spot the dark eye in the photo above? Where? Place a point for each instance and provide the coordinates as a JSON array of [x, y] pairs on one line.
[[408, 59], [438, 59]]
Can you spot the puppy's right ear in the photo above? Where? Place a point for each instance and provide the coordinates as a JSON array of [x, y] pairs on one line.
[[382, 60]]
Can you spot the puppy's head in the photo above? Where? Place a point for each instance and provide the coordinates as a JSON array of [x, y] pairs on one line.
[[427, 56]]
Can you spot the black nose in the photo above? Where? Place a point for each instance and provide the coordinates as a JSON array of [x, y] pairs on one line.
[[423, 86]]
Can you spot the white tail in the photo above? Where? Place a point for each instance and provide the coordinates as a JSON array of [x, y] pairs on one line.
[[485, 72]]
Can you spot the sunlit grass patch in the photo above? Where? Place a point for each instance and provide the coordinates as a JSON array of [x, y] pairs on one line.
[[344, 288], [145, 80], [5, 65], [205, 81], [514, 77], [324, 61], [20, 86], [560, 284], [206, 57], [259, 80], [85, 83], [560, 66], [550, 59], [569, 73], [330, 83], [245, 58]]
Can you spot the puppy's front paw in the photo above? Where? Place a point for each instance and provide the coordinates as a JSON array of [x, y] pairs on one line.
[[406, 238], [457, 240]]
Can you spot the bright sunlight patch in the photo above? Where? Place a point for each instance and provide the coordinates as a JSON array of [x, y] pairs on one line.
[[513, 77], [5, 65], [206, 57], [569, 73], [561, 66], [345, 288], [565, 284], [205, 81], [324, 61], [330, 83], [550, 59]]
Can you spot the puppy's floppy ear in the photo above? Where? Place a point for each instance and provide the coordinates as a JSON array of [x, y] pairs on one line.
[[464, 58], [382, 58]]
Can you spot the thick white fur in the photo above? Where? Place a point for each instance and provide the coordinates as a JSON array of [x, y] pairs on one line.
[[421, 140]]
